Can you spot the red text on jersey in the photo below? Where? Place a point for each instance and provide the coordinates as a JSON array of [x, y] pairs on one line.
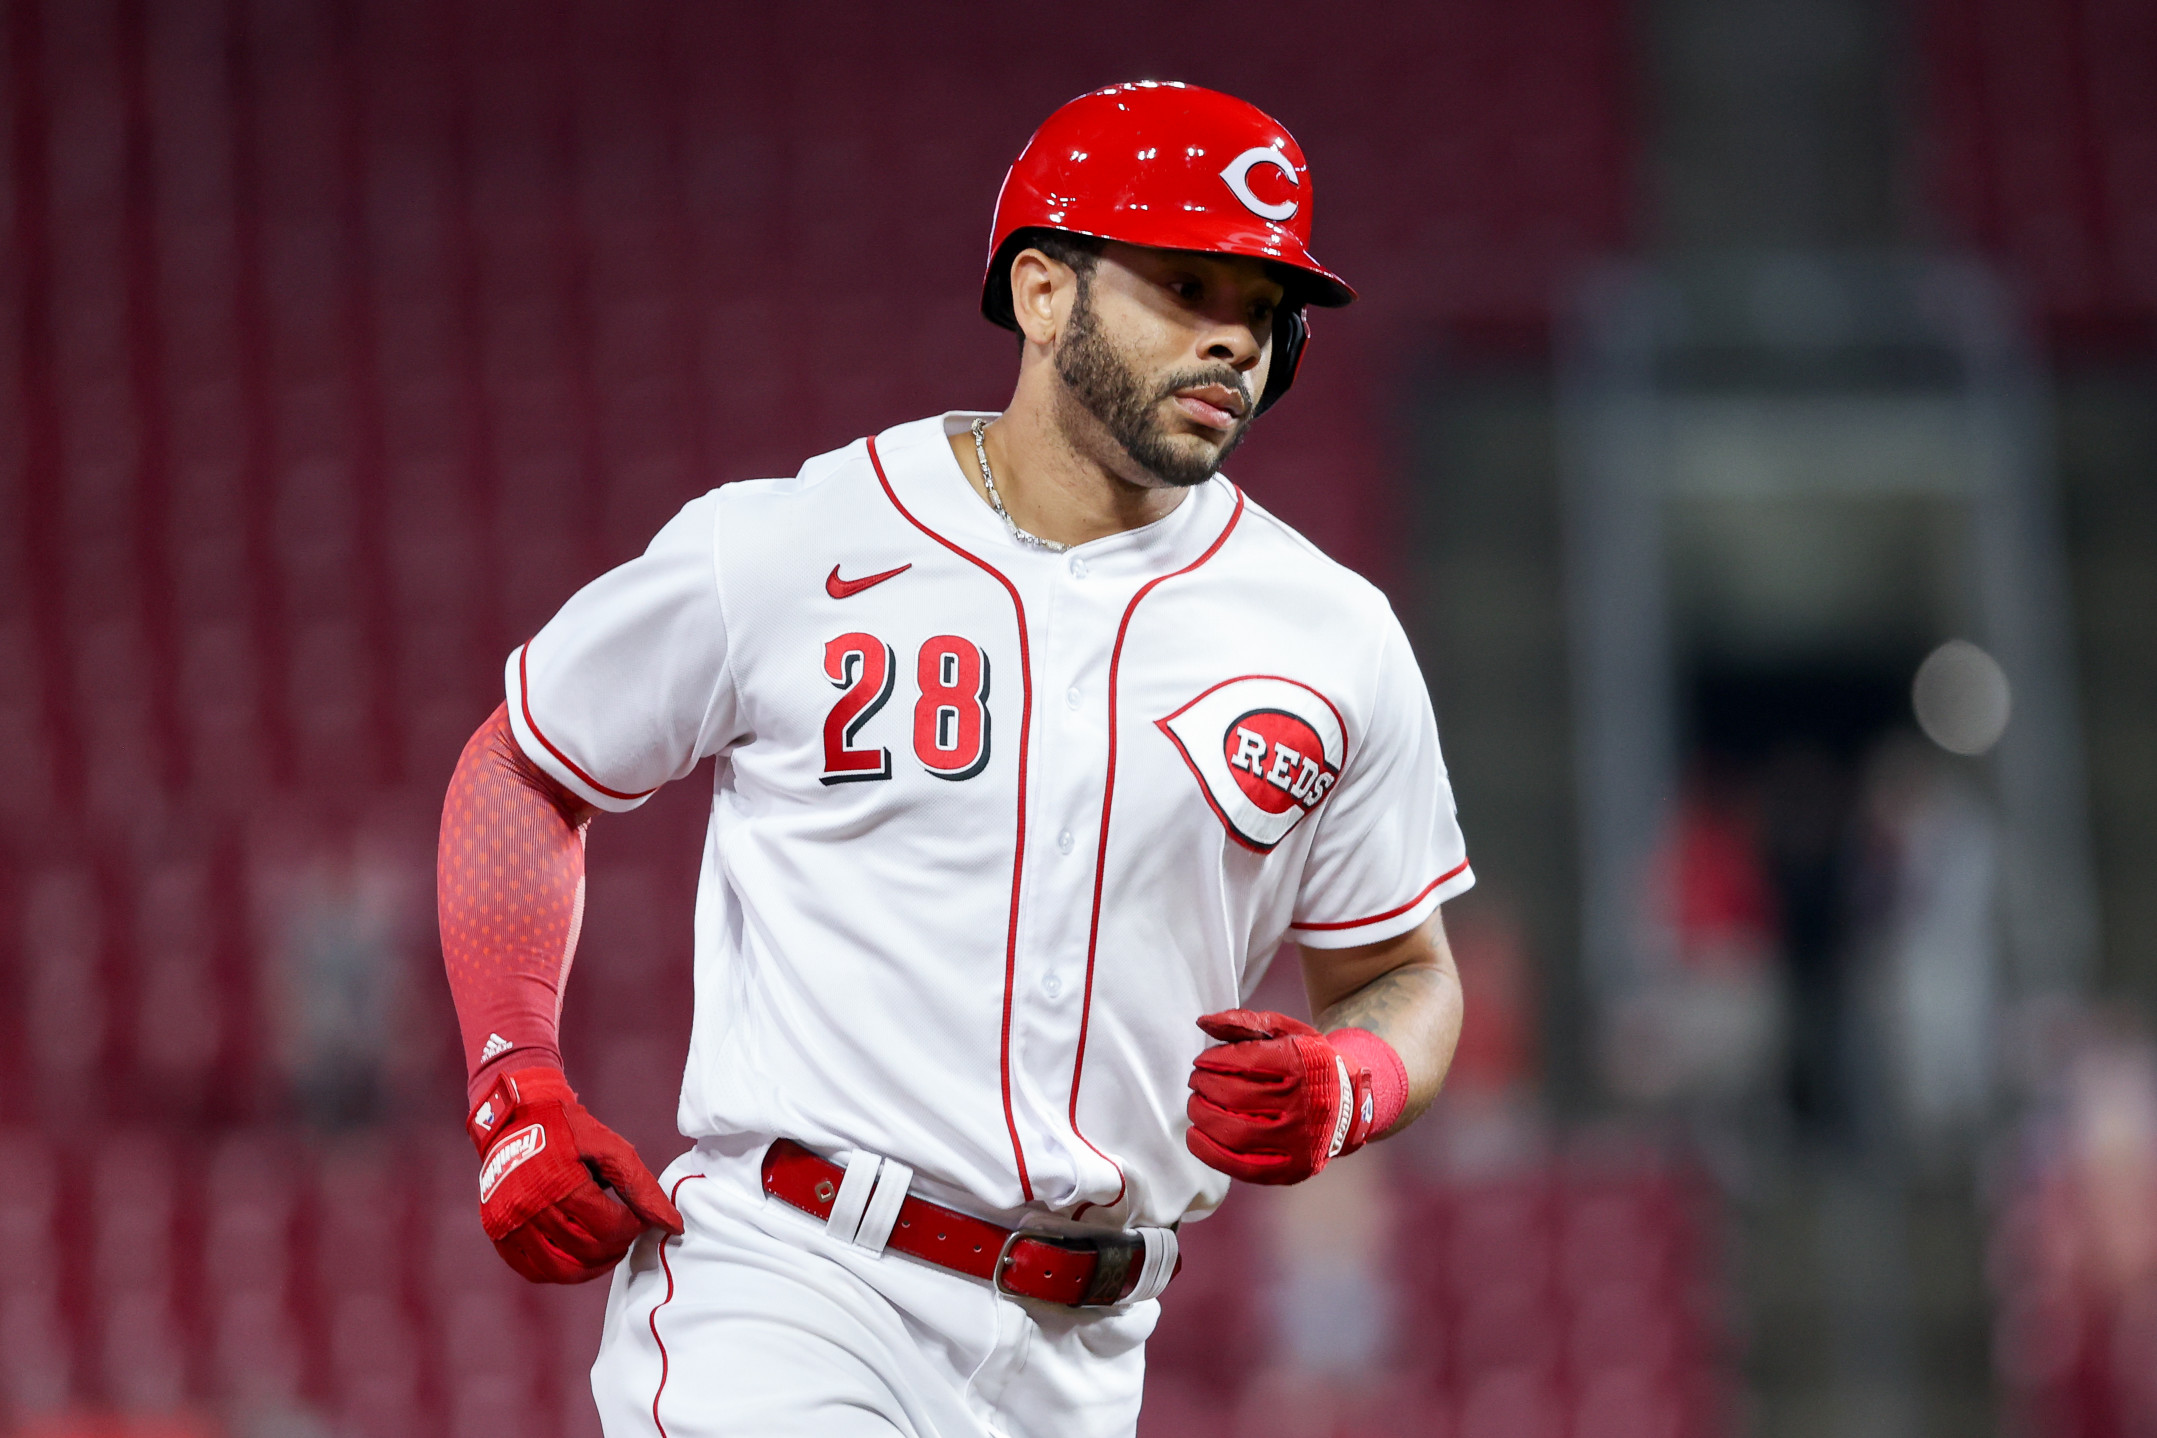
[[1277, 759], [951, 719], [860, 665]]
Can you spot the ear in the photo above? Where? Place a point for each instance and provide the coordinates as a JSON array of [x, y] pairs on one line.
[[1038, 289]]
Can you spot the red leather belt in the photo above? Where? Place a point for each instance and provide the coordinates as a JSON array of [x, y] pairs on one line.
[[1079, 1272]]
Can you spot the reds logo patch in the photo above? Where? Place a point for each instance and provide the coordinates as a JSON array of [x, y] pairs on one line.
[[1265, 750]]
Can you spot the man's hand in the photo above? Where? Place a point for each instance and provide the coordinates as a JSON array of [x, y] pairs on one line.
[[1274, 1102], [543, 1161]]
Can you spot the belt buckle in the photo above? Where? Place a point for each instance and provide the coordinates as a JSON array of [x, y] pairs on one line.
[[1004, 1257], [1113, 1256], [1011, 1240]]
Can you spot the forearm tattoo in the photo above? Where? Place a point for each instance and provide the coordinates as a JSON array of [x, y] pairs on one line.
[[1416, 1009], [1399, 998]]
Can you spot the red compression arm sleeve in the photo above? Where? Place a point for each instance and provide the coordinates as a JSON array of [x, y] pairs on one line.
[[509, 893]]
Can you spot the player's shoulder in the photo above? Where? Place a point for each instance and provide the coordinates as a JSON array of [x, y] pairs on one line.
[[1302, 570], [833, 494], [817, 477], [750, 509], [859, 482]]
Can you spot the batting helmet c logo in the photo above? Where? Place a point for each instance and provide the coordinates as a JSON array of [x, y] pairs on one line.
[[1238, 176]]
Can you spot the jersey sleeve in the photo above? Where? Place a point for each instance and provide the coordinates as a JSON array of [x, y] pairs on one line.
[[1389, 848], [627, 686]]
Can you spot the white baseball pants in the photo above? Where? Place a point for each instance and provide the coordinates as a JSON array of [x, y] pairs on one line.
[[758, 1323]]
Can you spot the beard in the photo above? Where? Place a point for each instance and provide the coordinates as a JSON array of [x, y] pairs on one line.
[[1105, 384]]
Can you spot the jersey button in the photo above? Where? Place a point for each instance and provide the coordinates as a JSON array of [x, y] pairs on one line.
[[1064, 841], [1071, 696], [1051, 985], [1078, 567]]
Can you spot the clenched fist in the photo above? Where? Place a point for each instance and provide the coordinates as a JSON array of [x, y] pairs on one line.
[[1274, 1102], [543, 1163]]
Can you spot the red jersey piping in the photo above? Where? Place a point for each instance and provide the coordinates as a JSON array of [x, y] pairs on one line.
[[1398, 909], [1108, 799], [524, 703], [1018, 855], [654, 1321]]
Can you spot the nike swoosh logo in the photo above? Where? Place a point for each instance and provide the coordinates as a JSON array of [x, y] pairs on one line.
[[839, 588]]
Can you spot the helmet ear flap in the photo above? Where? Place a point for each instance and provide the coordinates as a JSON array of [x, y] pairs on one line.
[[996, 289], [1291, 332]]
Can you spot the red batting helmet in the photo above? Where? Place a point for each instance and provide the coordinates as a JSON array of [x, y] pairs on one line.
[[1174, 167]]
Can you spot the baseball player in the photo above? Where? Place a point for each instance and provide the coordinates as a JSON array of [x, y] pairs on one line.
[[1036, 737]]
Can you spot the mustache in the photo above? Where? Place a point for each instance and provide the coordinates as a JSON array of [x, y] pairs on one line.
[[1223, 375]]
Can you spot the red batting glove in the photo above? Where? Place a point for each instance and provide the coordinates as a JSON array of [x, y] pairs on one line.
[[1275, 1102], [543, 1161]]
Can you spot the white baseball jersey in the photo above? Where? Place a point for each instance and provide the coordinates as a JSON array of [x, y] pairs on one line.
[[993, 825]]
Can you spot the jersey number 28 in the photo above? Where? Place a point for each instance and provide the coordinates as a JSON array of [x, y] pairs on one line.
[[951, 718]]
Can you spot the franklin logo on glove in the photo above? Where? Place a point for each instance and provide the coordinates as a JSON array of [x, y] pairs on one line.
[[507, 1155]]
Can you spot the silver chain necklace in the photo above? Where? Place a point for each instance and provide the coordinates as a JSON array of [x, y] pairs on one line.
[[988, 480]]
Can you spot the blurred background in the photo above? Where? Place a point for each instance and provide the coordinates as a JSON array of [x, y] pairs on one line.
[[1751, 409]]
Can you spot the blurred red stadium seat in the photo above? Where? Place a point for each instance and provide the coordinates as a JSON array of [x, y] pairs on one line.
[[2039, 118], [374, 1364]]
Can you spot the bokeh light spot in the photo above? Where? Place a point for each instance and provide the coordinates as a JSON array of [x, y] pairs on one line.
[[1961, 697]]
